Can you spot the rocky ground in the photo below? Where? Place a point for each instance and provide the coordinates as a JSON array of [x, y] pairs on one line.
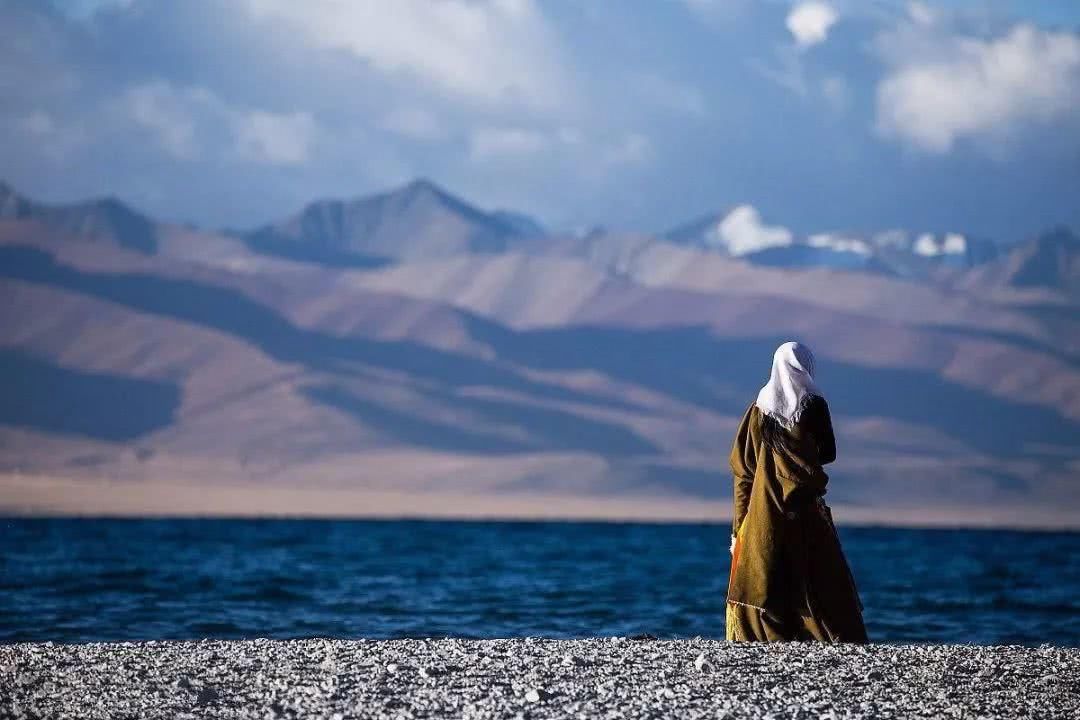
[[533, 678]]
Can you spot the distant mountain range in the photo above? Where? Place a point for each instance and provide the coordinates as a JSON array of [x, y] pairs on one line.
[[421, 221], [411, 345]]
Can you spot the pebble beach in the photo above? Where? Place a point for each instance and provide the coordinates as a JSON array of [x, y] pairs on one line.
[[534, 678]]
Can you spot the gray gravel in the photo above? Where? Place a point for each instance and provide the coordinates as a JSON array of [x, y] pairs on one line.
[[533, 678]]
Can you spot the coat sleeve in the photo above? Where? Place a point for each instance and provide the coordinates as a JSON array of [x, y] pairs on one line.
[[825, 437], [743, 461]]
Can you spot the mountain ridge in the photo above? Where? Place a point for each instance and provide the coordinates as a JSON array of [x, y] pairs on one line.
[[103, 219], [419, 219], [422, 220]]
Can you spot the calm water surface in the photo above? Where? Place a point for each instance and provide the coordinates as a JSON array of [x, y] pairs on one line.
[[92, 580]]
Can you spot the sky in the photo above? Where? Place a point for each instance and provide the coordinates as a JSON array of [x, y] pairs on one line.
[[821, 115]]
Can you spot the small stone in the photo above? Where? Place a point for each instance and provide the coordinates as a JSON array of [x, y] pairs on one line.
[[702, 665], [206, 696], [536, 695], [873, 675], [392, 668]]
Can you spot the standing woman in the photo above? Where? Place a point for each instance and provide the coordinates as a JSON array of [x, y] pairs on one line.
[[789, 579]]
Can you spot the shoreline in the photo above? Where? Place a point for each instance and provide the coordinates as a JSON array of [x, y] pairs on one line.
[[535, 678], [51, 496]]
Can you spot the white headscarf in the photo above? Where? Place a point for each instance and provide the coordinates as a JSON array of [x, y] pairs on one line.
[[791, 384]]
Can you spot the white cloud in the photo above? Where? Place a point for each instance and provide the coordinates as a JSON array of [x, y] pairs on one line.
[[187, 120], [491, 51], [809, 22], [921, 13], [414, 123], [741, 232], [942, 88], [392, 99], [274, 139], [496, 142], [55, 140], [168, 114]]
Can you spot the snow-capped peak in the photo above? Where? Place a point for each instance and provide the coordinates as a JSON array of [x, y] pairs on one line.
[[839, 243], [741, 232], [928, 245]]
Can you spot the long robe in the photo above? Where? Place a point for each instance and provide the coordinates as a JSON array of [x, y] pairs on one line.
[[789, 579]]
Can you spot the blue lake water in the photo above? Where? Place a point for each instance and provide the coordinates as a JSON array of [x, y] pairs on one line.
[[93, 580]]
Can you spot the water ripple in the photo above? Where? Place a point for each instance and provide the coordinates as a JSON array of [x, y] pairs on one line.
[[92, 580]]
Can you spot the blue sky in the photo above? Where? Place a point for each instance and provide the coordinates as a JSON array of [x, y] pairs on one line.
[[822, 114]]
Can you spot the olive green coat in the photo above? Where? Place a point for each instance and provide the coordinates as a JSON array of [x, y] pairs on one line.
[[788, 562]]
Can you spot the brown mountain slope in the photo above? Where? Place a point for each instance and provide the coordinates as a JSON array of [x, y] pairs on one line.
[[996, 348]]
